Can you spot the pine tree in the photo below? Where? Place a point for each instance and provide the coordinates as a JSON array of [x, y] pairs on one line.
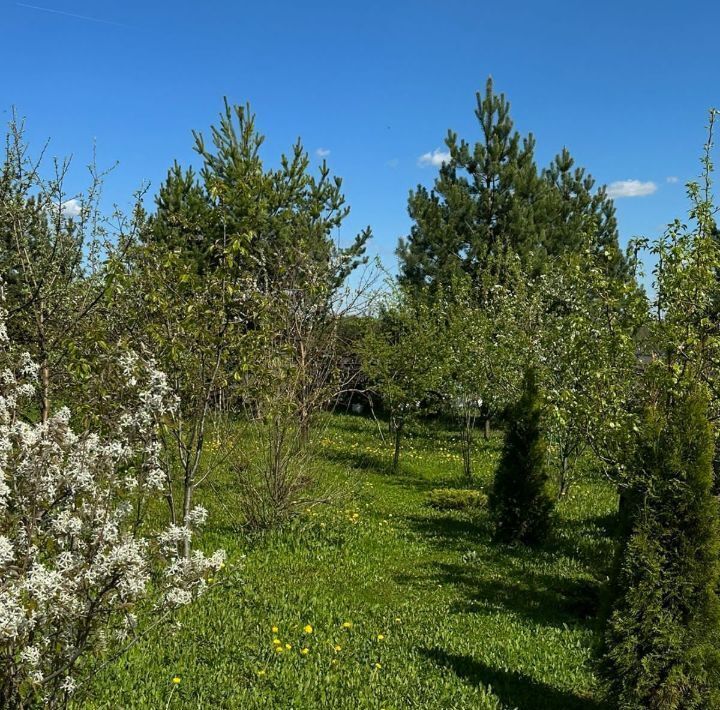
[[661, 639], [479, 206], [520, 502], [489, 200], [282, 219], [576, 217], [184, 218]]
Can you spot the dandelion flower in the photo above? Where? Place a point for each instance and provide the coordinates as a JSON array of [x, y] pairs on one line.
[[278, 649], [276, 642], [347, 625], [380, 637], [338, 649], [274, 629], [305, 651], [288, 646], [176, 679], [308, 629], [261, 672], [378, 666]]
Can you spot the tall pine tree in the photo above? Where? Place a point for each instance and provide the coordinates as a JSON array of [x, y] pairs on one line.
[[490, 201]]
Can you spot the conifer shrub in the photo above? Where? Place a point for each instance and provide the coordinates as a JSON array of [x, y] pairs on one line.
[[661, 642], [520, 502]]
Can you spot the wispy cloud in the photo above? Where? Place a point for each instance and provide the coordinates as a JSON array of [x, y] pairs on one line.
[[672, 179], [71, 208], [436, 158], [322, 152], [71, 14], [631, 188], [393, 163]]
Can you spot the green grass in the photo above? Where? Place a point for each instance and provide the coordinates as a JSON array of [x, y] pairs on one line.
[[441, 616]]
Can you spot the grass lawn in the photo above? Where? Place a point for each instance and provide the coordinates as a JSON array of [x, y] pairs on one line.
[[410, 606]]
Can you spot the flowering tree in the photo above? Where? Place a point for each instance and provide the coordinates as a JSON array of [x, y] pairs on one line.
[[78, 559], [488, 333], [587, 356], [55, 250]]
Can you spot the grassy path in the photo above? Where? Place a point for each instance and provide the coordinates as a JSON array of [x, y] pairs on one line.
[[410, 607]]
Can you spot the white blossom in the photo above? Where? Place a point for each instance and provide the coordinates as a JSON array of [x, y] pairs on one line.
[[68, 534]]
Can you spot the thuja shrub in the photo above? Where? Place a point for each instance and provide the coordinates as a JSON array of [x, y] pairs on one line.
[[78, 558], [520, 502], [662, 640]]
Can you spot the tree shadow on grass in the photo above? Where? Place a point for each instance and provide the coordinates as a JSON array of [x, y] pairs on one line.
[[535, 594], [513, 689], [544, 599], [360, 460]]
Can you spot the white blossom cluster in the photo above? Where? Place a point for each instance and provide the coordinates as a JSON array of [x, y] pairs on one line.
[[76, 555]]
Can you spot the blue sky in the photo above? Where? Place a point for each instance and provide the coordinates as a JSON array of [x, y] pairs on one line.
[[626, 86]]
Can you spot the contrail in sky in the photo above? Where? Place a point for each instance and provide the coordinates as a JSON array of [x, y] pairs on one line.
[[71, 14]]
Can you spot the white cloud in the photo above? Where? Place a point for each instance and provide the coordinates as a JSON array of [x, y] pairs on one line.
[[322, 152], [437, 158], [631, 188], [71, 208], [672, 179]]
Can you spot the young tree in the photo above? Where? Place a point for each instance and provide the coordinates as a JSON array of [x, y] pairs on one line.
[[661, 640], [402, 356], [486, 349], [81, 563], [519, 501], [53, 262], [588, 321]]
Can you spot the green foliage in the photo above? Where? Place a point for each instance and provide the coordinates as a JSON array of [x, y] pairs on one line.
[[457, 499], [489, 201], [519, 500], [403, 357], [282, 216], [662, 636]]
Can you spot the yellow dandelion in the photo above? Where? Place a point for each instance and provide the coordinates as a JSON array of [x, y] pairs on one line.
[[274, 629], [261, 672], [378, 666], [278, 649], [347, 625], [308, 629], [304, 651], [380, 637], [176, 679], [277, 642], [288, 646], [338, 649]]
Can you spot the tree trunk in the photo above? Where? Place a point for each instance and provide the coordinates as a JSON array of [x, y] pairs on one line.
[[187, 501], [398, 427], [564, 481], [44, 391], [466, 439]]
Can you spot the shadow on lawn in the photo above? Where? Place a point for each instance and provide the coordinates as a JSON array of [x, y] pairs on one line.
[[513, 689], [542, 597]]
